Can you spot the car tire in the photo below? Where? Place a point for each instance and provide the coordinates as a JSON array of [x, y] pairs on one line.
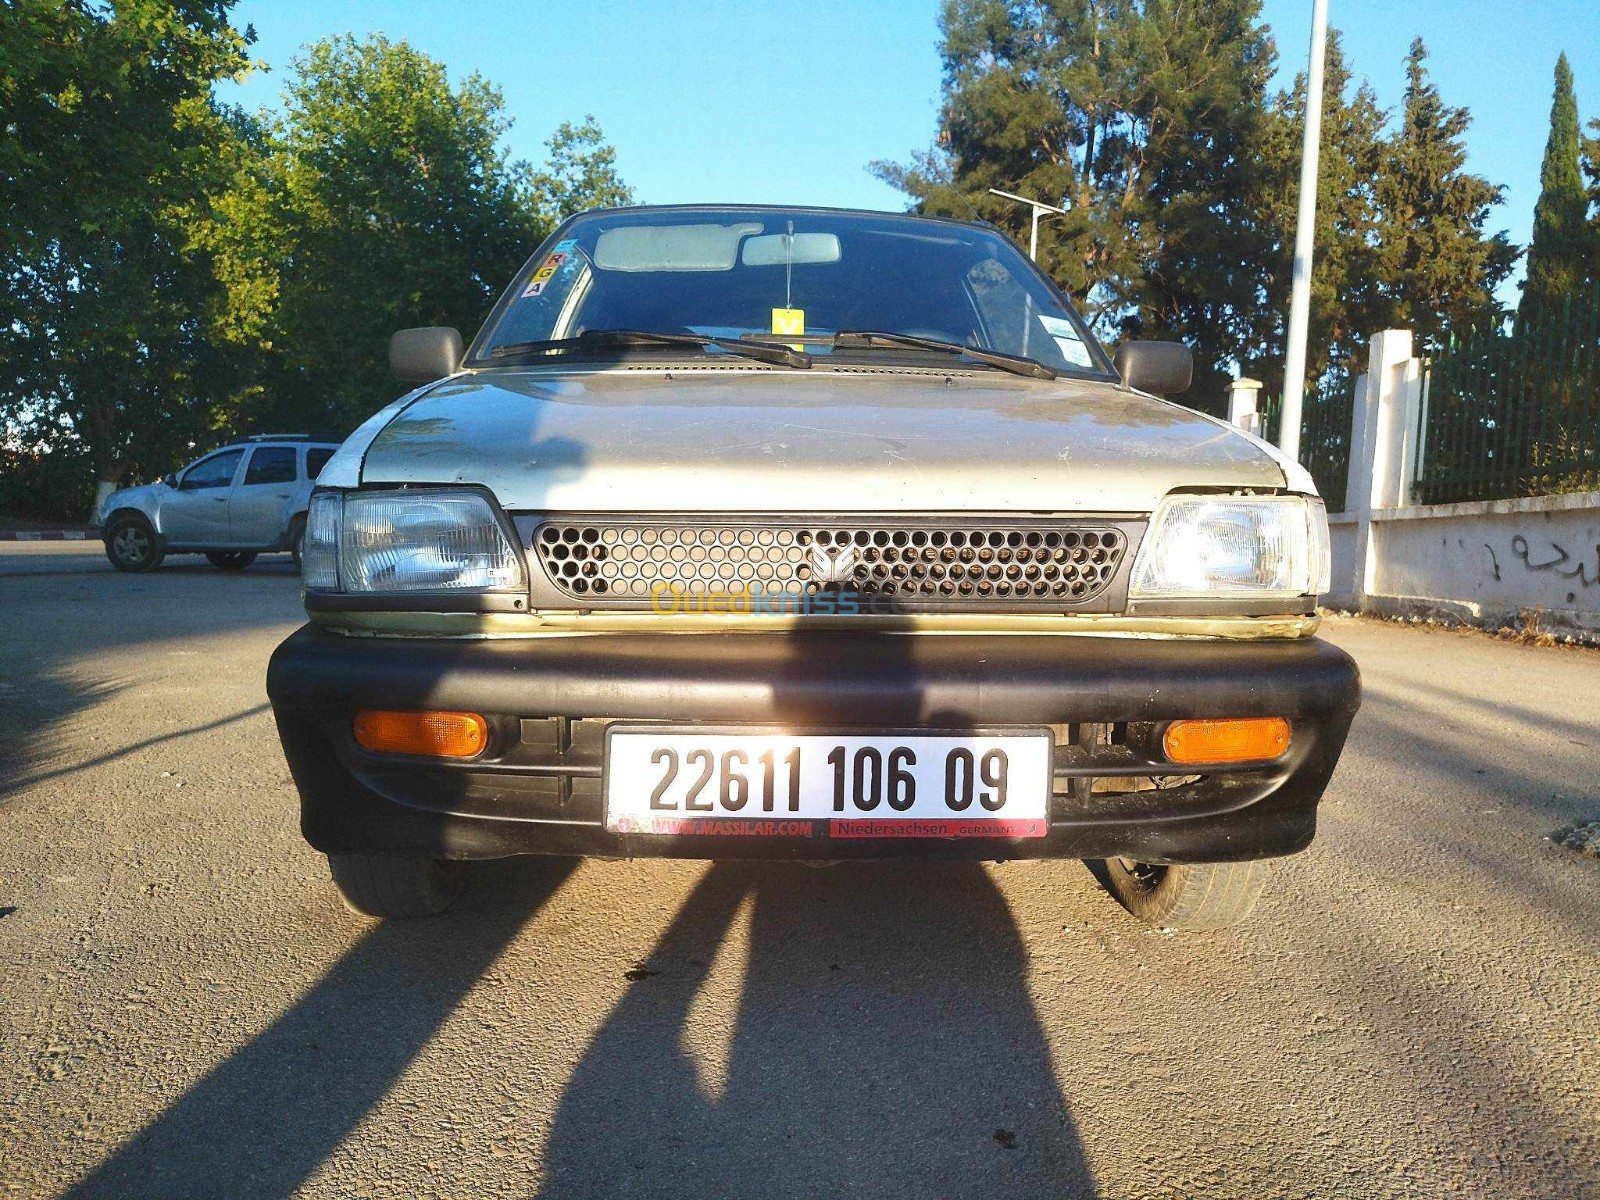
[[132, 545], [297, 539], [231, 560], [394, 886], [1187, 895]]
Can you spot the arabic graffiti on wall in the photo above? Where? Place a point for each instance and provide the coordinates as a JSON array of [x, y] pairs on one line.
[[1546, 557]]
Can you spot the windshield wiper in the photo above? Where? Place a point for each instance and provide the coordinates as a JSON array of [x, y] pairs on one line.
[[612, 339], [1015, 363]]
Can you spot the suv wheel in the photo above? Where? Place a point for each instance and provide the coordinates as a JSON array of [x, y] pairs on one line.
[[131, 545], [1187, 895], [297, 539], [231, 560], [395, 886]]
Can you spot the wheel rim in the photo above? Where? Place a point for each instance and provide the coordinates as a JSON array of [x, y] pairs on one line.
[[131, 544]]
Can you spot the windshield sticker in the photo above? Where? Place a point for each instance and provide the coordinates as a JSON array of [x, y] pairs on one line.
[[1059, 327], [546, 271], [1067, 340]]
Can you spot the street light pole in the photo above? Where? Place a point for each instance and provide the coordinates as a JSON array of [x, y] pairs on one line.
[[1294, 365], [1040, 208]]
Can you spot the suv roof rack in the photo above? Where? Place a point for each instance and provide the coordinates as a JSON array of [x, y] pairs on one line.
[[287, 437]]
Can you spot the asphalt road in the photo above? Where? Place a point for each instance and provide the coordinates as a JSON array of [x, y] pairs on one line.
[[186, 1010]]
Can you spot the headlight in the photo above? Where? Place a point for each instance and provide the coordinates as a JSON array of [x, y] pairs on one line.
[[1236, 547], [421, 541]]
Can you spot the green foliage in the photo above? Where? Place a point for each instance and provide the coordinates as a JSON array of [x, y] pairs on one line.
[[1152, 120], [393, 204], [1346, 307], [1590, 152], [1438, 269], [1139, 116], [176, 270], [383, 198], [580, 172], [107, 143], [1564, 249]]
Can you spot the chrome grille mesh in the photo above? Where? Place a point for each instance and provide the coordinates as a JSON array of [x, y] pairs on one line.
[[1070, 562]]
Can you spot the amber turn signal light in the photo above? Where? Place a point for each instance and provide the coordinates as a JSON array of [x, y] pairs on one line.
[[436, 734], [1248, 739]]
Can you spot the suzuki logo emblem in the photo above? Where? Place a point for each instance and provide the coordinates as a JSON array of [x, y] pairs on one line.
[[837, 567]]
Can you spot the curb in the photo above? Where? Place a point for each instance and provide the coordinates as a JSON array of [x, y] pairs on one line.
[[46, 535]]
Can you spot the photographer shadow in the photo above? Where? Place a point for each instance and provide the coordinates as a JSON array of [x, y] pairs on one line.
[[869, 1032]]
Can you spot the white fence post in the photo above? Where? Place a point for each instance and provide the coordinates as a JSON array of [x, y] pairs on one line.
[[1243, 409], [1383, 448]]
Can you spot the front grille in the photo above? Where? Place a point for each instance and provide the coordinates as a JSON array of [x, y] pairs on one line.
[[1067, 563]]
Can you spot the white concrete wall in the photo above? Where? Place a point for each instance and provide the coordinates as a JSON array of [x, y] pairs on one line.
[[1491, 563]]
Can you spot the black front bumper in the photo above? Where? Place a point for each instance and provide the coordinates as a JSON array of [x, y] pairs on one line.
[[538, 787]]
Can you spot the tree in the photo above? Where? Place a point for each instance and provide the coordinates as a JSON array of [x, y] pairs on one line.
[[1561, 254], [1591, 175], [1438, 268], [1346, 307], [580, 173], [1142, 116], [396, 205], [108, 138]]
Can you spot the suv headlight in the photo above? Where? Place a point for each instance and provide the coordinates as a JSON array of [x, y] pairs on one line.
[[1238, 547], [410, 541]]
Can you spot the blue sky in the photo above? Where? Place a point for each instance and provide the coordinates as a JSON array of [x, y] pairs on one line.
[[788, 101]]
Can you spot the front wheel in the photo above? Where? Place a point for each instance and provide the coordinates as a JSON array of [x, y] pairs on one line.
[[1187, 895], [231, 560], [297, 540], [395, 886], [131, 545]]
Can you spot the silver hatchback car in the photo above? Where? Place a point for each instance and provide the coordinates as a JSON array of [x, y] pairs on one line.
[[247, 498]]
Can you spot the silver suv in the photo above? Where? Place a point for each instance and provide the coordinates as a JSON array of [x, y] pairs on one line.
[[245, 499]]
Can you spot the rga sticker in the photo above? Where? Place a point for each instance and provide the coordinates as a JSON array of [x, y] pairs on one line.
[[547, 269]]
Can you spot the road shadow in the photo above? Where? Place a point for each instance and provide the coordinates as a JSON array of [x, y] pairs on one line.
[[883, 1043], [33, 705], [75, 641], [14, 776], [261, 1122]]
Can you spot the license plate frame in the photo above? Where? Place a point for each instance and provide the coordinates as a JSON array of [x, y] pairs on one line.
[[1025, 812]]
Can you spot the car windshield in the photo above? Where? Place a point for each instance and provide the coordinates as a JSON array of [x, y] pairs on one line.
[[749, 275]]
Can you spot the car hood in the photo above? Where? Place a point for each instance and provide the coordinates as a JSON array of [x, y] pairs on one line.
[[826, 440]]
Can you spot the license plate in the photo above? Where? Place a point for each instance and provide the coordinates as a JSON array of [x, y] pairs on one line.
[[670, 781]]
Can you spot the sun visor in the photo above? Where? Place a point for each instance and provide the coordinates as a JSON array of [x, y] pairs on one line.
[[671, 247]]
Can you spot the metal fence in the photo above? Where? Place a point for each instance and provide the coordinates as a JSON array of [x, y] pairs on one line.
[[1513, 411], [1325, 420]]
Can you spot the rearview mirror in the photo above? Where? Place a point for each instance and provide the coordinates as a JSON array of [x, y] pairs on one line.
[[1161, 368], [425, 354], [790, 250], [170, 479]]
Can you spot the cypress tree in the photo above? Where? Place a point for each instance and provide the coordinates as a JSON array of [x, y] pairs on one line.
[[1438, 269], [1560, 254], [1346, 308]]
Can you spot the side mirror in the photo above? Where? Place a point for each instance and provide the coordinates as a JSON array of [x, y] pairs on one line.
[[1162, 368], [170, 479], [425, 354]]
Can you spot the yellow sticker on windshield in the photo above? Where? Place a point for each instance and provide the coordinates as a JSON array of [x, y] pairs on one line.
[[788, 320]]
